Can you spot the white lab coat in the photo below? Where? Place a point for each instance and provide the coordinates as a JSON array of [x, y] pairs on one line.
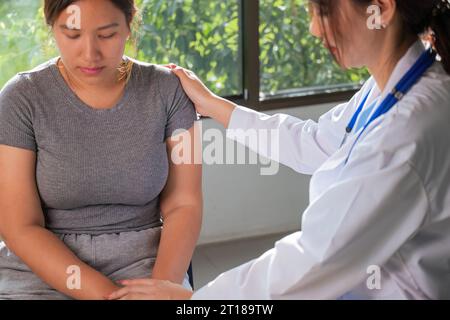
[[389, 206]]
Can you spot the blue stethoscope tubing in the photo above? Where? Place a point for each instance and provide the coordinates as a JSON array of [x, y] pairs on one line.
[[413, 75]]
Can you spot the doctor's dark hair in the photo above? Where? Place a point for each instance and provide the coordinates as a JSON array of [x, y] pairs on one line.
[[53, 8], [429, 18]]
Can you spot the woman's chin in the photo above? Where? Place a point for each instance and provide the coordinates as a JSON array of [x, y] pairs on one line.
[[94, 79]]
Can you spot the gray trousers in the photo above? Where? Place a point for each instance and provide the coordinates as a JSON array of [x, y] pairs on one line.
[[128, 255]]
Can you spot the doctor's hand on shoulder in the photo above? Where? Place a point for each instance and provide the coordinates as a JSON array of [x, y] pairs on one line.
[[150, 289], [206, 102]]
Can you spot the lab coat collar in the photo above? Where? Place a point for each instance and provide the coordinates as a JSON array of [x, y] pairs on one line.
[[405, 63]]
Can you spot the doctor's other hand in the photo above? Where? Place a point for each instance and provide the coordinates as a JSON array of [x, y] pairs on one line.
[[150, 289], [206, 102]]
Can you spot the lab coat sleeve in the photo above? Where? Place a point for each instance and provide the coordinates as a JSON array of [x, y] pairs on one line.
[[301, 145], [376, 206], [298, 144]]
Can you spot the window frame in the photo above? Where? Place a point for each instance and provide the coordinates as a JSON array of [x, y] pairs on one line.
[[249, 25]]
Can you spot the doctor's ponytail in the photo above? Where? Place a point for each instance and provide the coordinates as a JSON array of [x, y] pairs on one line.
[[432, 19], [440, 35]]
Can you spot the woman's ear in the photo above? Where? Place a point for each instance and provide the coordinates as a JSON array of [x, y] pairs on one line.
[[388, 9]]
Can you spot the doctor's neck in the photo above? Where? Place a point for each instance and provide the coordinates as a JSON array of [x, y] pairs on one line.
[[388, 55]]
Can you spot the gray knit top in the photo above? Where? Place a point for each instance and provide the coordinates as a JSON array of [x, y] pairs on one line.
[[97, 171]]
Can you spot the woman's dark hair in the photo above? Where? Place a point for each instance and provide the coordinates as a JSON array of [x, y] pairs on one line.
[[53, 8], [420, 17]]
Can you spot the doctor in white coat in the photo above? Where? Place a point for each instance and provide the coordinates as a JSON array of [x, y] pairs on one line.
[[379, 198]]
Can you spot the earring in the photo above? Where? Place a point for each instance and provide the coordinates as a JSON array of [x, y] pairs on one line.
[[125, 69]]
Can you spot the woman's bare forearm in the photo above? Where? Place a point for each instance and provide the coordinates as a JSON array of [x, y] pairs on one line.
[[220, 110], [178, 240], [50, 259]]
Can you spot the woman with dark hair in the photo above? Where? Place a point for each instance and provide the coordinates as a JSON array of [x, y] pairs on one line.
[[86, 175], [378, 225]]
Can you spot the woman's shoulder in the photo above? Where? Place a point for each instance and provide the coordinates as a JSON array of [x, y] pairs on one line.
[[43, 67], [25, 81], [429, 98], [155, 73], [416, 127]]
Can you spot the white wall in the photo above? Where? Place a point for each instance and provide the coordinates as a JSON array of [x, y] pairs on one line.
[[239, 202]]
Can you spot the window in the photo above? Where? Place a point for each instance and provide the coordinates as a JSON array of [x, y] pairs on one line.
[[292, 61], [220, 40], [201, 35]]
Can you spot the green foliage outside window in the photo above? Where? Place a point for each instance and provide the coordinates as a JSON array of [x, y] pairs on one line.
[[291, 57]]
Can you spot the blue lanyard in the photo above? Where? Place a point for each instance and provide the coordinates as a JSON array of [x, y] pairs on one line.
[[425, 61]]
